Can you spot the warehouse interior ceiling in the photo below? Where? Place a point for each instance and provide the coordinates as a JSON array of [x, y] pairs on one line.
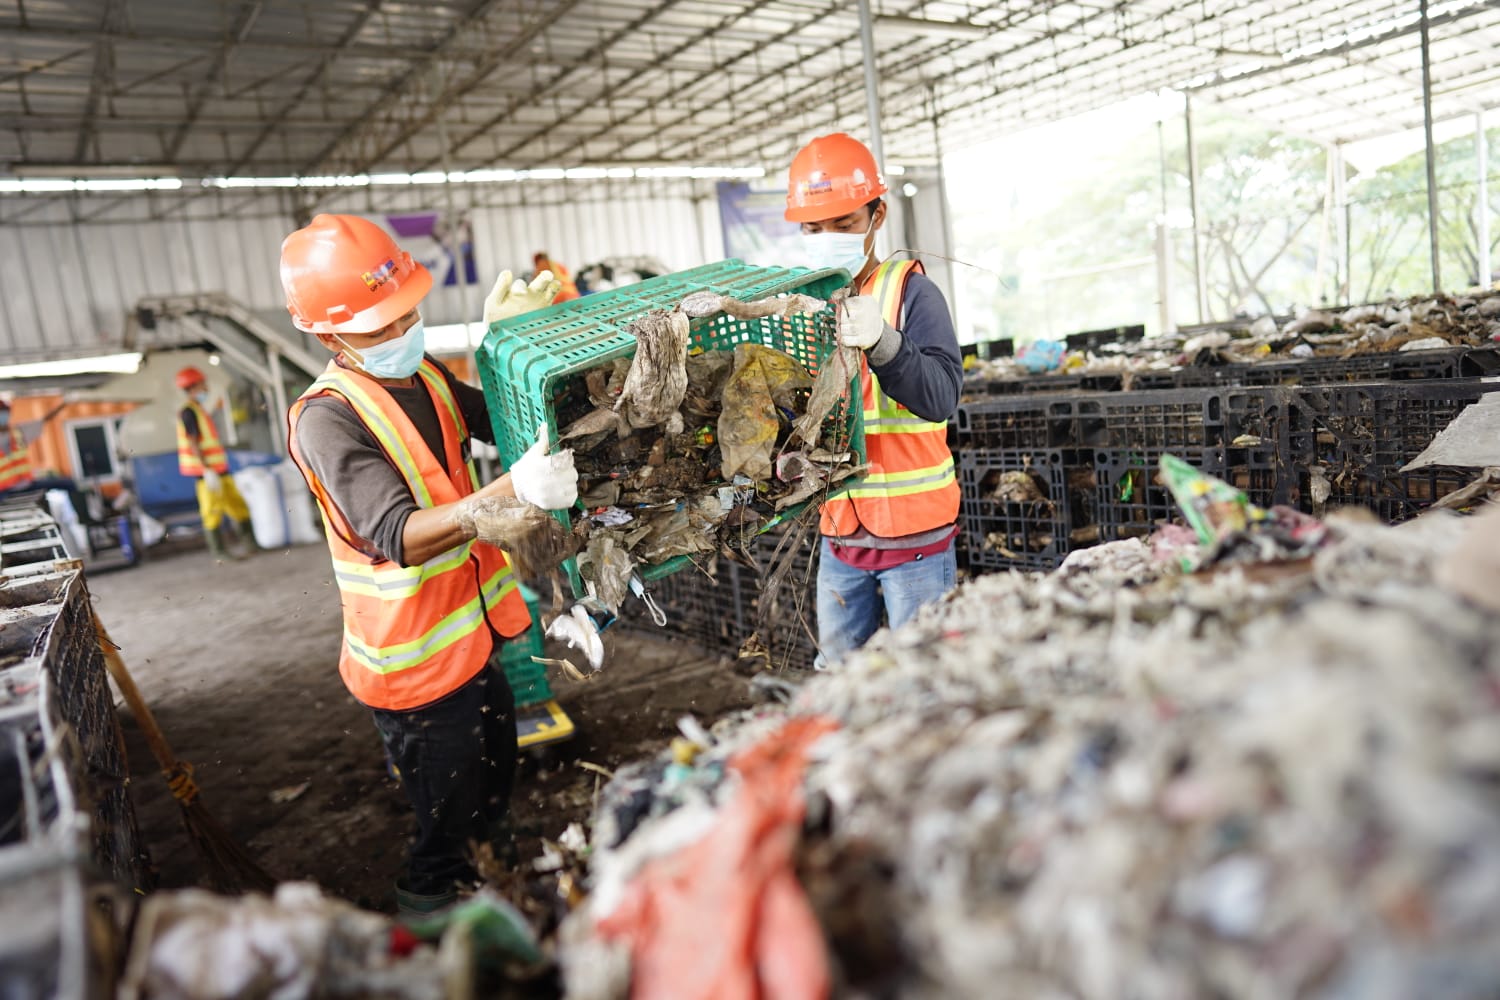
[[220, 88]]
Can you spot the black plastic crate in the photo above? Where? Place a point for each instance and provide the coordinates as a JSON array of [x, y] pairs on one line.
[[1162, 420], [1019, 422], [1398, 496], [1100, 382], [1390, 366], [1376, 427], [1027, 534], [1129, 501]]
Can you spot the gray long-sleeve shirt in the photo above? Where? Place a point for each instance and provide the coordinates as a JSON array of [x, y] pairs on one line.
[[361, 482]]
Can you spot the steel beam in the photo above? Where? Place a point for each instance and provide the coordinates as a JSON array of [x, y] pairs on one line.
[[1482, 193], [1431, 150]]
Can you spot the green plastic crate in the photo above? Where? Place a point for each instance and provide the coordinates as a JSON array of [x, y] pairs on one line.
[[527, 364], [528, 679]]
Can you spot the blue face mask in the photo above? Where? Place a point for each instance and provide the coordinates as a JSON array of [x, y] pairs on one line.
[[845, 251], [397, 358]]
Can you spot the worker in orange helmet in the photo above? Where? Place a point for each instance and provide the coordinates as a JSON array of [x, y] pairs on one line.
[[568, 289], [201, 456], [15, 456], [383, 439], [888, 539]]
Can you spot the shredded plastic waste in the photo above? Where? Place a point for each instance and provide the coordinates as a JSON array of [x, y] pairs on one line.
[[196, 945], [1266, 778]]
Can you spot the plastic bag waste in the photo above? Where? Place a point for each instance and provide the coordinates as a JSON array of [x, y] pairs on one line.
[[762, 379], [726, 917], [657, 379], [831, 387], [194, 945], [1041, 355]]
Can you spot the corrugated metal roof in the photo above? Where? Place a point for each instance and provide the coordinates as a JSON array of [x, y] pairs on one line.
[[277, 87]]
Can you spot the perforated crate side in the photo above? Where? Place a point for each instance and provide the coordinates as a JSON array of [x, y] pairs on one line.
[[76, 664], [1031, 535], [1130, 503], [1398, 496], [525, 361], [1036, 422], [1375, 428]]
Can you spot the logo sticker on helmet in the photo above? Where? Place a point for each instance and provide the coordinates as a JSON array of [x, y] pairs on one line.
[[374, 279]]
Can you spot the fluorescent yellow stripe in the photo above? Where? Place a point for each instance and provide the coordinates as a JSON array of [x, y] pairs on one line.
[[389, 438], [439, 388], [454, 627], [395, 581], [903, 425], [867, 490]]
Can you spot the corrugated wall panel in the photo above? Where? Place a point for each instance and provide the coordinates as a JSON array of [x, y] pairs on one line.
[[68, 287]]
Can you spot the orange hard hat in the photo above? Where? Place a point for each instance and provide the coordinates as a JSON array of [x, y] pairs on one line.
[[189, 377], [344, 274], [830, 177]]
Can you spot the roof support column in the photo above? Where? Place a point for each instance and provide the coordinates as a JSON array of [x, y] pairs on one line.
[[1482, 206], [1341, 223], [1432, 197], [1163, 241], [872, 90], [942, 196], [1199, 276], [278, 400]]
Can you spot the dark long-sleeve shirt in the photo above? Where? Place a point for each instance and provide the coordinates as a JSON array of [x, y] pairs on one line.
[[359, 479], [920, 366]]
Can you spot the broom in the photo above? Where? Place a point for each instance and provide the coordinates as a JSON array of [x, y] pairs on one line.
[[229, 868]]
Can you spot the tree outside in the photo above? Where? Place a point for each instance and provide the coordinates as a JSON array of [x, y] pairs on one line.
[[1073, 240]]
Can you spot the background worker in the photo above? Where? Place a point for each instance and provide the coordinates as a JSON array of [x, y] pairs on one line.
[[543, 263], [15, 456], [383, 438], [888, 539], [201, 456], [18, 474]]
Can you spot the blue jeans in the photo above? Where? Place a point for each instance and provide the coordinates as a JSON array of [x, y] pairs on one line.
[[850, 600]]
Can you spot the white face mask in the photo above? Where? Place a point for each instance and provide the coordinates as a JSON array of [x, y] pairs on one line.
[[845, 251]]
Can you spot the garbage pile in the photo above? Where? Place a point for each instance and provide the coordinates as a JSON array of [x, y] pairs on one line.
[[297, 943], [684, 454], [1264, 779], [1415, 324]]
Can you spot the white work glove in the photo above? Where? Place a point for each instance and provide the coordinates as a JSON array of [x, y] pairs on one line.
[[211, 480], [860, 323], [513, 297], [546, 481]]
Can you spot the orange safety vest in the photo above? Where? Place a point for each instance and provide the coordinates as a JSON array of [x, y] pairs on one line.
[[412, 634], [15, 460], [910, 486], [208, 444]]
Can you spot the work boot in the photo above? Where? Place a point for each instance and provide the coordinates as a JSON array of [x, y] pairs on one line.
[[247, 534], [411, 905], [215, 542]]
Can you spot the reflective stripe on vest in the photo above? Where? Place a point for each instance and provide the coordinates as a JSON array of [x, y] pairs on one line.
[[412, 634], [910, 486], [15, 463], [208, 444]]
